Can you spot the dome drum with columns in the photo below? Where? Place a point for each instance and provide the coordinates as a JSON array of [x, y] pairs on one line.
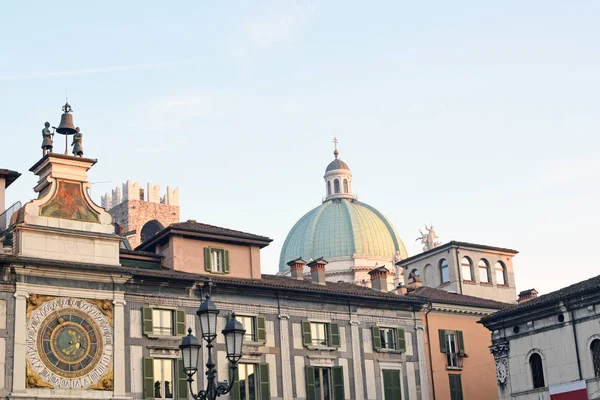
[[352, 236]]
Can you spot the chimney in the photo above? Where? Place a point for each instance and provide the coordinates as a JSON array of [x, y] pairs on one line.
[[6, 178], [401, 290], [379, 278], [317, 270], [297, 268], [527, 295]]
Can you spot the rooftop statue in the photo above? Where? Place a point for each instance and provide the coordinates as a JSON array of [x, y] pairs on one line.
[[428, 240], [77, 143], [47, 143]]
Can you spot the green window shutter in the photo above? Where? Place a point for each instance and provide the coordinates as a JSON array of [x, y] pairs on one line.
[[461, 342], [376, 337], [147, 320], [338, 383], [226, 261], [235, 388], [388, 390], [306, 335], [207, 259], [309, 373], [148, 372], [180, 322], [400, 341], [261, 329], [182, 383], [455, 387], [443, 344], [391, 384], [334, 335], [265, 387]]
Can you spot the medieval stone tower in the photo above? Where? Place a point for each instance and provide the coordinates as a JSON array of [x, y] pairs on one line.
[[141, 214]]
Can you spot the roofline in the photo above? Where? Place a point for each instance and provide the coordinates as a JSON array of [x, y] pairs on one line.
[[455, 244], [197, 278], [64, 157], [9, 176], [169, 230]]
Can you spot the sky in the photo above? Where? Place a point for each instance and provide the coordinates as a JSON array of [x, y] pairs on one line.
[[478, 117]]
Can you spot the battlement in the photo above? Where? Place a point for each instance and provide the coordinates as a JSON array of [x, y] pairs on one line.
[[132, 191]]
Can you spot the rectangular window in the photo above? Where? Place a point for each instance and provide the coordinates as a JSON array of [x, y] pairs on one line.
[[249, 325], [455, 387], [320, 333], [391, 384], [162, 322], [452, 353], [323, 384], [388, 338], [163, 378], [247, 377], [217, 260]]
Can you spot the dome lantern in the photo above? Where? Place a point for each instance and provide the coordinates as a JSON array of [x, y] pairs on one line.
[[338, 178]]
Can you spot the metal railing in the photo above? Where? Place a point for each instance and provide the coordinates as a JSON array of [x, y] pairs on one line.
[[7, 215]]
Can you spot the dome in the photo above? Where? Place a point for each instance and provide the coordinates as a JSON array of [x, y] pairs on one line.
[[337, 164], [341, 228]]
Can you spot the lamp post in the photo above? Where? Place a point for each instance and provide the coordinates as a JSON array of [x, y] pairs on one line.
[[190, 350]]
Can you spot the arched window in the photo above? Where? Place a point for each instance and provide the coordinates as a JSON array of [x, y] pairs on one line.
[[444, 271], [328, 188], [595, 348], [484, 271], [345, 185], [466, 266], [414, 276], [500, 273], [150, 229], [537, 370], [336, 186]]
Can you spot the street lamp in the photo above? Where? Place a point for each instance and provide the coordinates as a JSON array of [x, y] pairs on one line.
[[190, 350]]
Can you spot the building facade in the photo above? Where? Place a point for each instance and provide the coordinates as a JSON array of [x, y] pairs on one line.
[[465, 268], [82, 316], [548, 347], [460, 367]]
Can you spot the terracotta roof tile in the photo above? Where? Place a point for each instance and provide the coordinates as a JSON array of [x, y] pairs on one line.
[[442, 296], [194, 226]]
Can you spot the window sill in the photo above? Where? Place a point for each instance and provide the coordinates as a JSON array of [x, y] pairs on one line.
[[163, 337], [322, 348], [390, 351], [454, 368], [486, 283], [444, 284], [503, 286], [530, 391], [253, 344], [470, 282]]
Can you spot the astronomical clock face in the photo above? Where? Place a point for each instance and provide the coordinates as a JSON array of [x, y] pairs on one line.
[[69, 343]]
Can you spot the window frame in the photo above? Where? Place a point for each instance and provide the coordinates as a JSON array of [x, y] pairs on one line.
[[499, 266], [399, 339], [443, 267], [336, 186], [385, 332], [332, 332], [162, 362], [247, 380], [595, 357], [159, 329], [463, 266], [209, 261], [258, 328], [452, 344], [326, 329], [335, 384], [486, 266], [346, 190], [456, 393], [539, 369]]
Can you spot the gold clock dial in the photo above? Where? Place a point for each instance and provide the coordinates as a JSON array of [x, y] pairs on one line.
[[69, 343]]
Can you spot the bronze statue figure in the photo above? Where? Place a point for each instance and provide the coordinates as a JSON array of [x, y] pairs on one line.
[[77, 143], [47, 143]]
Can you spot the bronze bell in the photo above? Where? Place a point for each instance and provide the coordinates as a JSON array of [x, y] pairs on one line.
[[66, 126]]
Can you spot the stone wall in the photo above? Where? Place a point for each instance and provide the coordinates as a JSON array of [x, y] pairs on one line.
[[134, 214]]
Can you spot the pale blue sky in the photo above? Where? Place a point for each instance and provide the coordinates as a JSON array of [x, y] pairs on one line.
[[480, 118]]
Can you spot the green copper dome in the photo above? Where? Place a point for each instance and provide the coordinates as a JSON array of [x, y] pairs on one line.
[[341, 228]]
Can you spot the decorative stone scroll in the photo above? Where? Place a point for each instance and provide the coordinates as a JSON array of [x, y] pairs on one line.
[[500, 353]]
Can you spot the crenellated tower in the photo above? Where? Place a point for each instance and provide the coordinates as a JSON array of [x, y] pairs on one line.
[[141, 213]]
